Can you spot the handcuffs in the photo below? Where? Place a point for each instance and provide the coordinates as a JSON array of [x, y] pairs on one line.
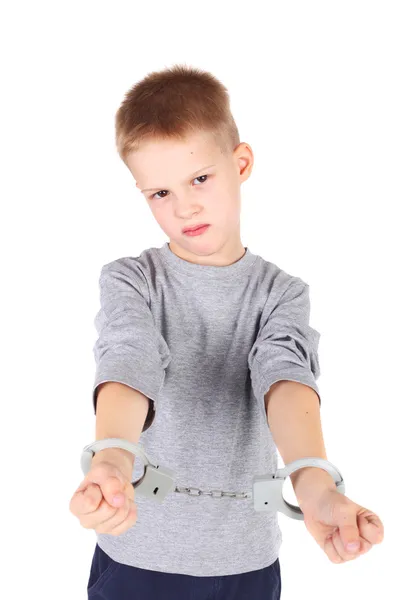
[[267, 493]]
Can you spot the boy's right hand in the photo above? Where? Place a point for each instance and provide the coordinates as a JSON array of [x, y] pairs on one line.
[[93, 502]]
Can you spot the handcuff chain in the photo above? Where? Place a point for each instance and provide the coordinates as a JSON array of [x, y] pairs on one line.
[[212, 493]]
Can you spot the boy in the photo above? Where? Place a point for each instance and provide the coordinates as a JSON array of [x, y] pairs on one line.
[[216, 345]]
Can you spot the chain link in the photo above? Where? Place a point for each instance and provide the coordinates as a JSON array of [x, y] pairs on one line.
[[212, 493]]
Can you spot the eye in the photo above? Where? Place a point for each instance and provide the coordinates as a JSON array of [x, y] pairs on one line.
[[158, 193], [199, 177]]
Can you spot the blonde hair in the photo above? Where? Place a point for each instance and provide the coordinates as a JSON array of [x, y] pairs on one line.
[[172, 104]]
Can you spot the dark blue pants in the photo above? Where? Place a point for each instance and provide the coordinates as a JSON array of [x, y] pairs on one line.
[[110, 580]]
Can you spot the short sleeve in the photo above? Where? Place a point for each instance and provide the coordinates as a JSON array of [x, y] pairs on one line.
[[129, 348], [286, 347]]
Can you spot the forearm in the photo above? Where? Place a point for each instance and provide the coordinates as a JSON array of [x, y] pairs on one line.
[[293, 415], [120, 412]]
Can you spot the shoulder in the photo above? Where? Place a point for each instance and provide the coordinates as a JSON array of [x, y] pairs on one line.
[[134, 270], [275, 280]]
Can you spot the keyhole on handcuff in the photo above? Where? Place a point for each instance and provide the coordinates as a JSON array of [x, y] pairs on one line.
[[155, 490]]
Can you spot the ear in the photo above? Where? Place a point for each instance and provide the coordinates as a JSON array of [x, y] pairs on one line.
[[245, 160]]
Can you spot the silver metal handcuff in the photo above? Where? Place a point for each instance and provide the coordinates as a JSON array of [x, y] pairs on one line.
[[267, 493]]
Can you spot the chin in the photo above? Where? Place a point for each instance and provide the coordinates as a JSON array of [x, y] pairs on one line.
[[194, 246]]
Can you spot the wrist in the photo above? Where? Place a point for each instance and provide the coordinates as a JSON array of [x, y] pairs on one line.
[[123, 459], [309, 483]]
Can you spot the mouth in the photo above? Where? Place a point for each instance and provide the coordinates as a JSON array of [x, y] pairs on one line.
[[194, 228]]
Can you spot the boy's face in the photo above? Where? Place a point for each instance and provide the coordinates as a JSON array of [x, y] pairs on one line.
[[183, 196]]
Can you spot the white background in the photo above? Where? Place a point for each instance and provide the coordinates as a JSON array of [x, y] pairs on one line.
[[314, 89]]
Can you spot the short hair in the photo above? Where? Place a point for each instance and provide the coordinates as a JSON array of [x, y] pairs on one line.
[[172, 104]]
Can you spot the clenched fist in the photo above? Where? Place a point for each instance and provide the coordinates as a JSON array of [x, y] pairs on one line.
[[104, 501]]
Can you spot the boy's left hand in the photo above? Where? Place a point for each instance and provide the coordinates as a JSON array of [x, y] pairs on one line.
[[334, 521]]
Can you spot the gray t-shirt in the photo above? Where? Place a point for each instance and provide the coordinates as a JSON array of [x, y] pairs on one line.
[[204, 344]]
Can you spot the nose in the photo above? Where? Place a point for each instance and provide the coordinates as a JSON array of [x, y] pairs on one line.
[[185, 206]]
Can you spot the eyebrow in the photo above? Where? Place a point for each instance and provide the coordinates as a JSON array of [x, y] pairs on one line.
[[190, 176]]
